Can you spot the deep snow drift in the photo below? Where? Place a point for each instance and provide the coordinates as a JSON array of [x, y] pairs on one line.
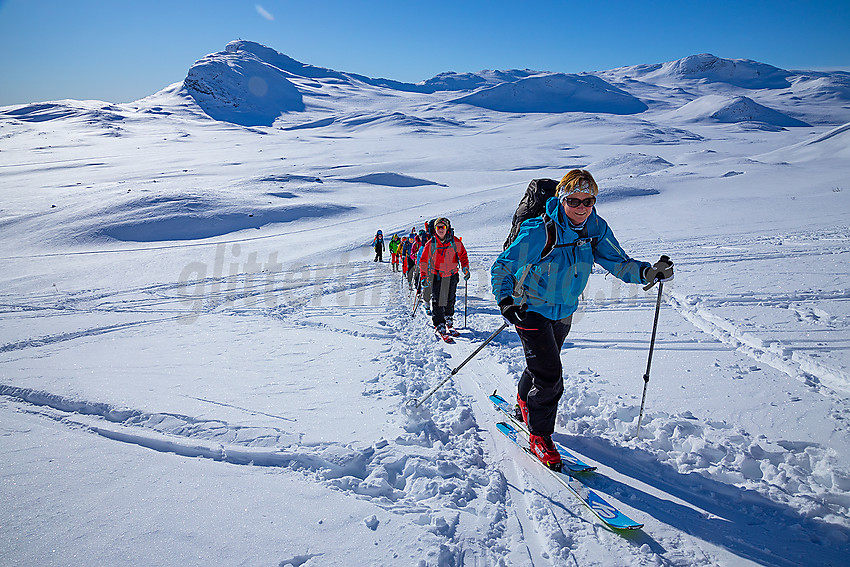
[[201, 363]]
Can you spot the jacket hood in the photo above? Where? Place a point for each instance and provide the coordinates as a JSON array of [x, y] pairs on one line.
[[554, 211]]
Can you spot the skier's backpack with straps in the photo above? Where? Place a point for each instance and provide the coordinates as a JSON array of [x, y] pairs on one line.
[[429, 227], [533, 204]]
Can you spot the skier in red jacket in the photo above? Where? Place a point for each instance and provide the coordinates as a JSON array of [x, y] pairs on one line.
[[438, 269]]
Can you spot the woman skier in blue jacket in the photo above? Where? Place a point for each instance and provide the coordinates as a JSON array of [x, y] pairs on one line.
[[537, 284]]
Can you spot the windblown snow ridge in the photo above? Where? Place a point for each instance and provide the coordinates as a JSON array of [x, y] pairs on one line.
[[832, 144], [797, 365], [190, 437], [159, 423]]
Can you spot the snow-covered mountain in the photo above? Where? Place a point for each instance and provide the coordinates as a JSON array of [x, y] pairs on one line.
[[251, 84], [201, 364], [706, 68]]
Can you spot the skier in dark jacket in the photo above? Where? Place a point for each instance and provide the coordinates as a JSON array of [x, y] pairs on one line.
[[407, 260], [378, 243], [418, 245], [539, 295]]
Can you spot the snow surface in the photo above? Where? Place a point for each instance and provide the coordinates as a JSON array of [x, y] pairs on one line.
[[201, 364]]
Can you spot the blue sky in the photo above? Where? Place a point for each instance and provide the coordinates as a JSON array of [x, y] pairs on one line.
[[121, 51]]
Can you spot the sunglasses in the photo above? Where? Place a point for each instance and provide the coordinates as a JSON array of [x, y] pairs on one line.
[[573, 202], [439, 226]]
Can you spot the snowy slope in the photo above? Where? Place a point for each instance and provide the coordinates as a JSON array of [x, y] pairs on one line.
[[555, 92], [732, 110], [201, 363], [834, 143]]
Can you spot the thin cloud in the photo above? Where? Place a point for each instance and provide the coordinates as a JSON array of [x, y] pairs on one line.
[[264, 13]]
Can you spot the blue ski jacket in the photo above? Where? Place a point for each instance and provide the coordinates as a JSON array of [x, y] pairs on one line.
[[552, 285]]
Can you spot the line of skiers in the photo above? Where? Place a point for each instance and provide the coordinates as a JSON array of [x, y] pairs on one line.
[[431, 261], [556, 237]]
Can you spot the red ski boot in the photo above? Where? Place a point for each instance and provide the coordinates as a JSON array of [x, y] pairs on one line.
[[544, 449], [521, 410]]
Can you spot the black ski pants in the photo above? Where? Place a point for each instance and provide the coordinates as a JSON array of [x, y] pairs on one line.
[[443, 295], [541, 384]]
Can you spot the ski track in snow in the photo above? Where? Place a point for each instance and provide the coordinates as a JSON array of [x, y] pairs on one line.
[[763, 339]]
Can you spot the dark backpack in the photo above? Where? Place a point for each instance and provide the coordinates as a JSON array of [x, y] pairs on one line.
[[533, 204], [430, 228]]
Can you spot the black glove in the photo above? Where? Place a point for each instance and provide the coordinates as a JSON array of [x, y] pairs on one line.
[[661, 271], [513, 313]]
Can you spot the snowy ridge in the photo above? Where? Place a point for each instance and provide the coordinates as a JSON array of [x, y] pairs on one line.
[[470, 81], [628, 164], [175, 433], [834, 143]]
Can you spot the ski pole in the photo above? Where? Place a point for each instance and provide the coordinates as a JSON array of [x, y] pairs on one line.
[[416, 302], [415, 403], [649, 360], [465, 303]]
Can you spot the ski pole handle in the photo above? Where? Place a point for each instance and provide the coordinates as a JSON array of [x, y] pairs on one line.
[[656, 280]]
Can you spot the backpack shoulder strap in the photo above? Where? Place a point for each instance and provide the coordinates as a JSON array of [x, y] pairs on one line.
[[454, 246], [552, 238], [551, 244], [593, 241]]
